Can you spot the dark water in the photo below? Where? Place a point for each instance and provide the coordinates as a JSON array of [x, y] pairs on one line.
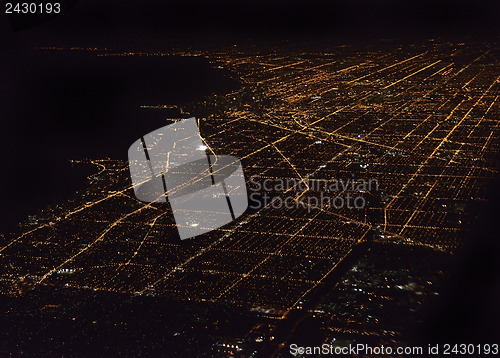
[[62, 105]]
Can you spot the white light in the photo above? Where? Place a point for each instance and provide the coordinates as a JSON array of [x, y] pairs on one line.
[[202, 147]]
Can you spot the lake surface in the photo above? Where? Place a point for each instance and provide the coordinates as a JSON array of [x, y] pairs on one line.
[[63, 105]]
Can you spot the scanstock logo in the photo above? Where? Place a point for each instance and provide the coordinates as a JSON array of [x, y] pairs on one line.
[[205, 191]]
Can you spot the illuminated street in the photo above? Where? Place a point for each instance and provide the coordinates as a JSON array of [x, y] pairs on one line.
[[421, 121]]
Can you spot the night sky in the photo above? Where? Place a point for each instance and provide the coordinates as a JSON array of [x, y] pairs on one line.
[[113, 21]]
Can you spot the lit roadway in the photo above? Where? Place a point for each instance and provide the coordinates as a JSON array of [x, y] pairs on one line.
[[419, 120]]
